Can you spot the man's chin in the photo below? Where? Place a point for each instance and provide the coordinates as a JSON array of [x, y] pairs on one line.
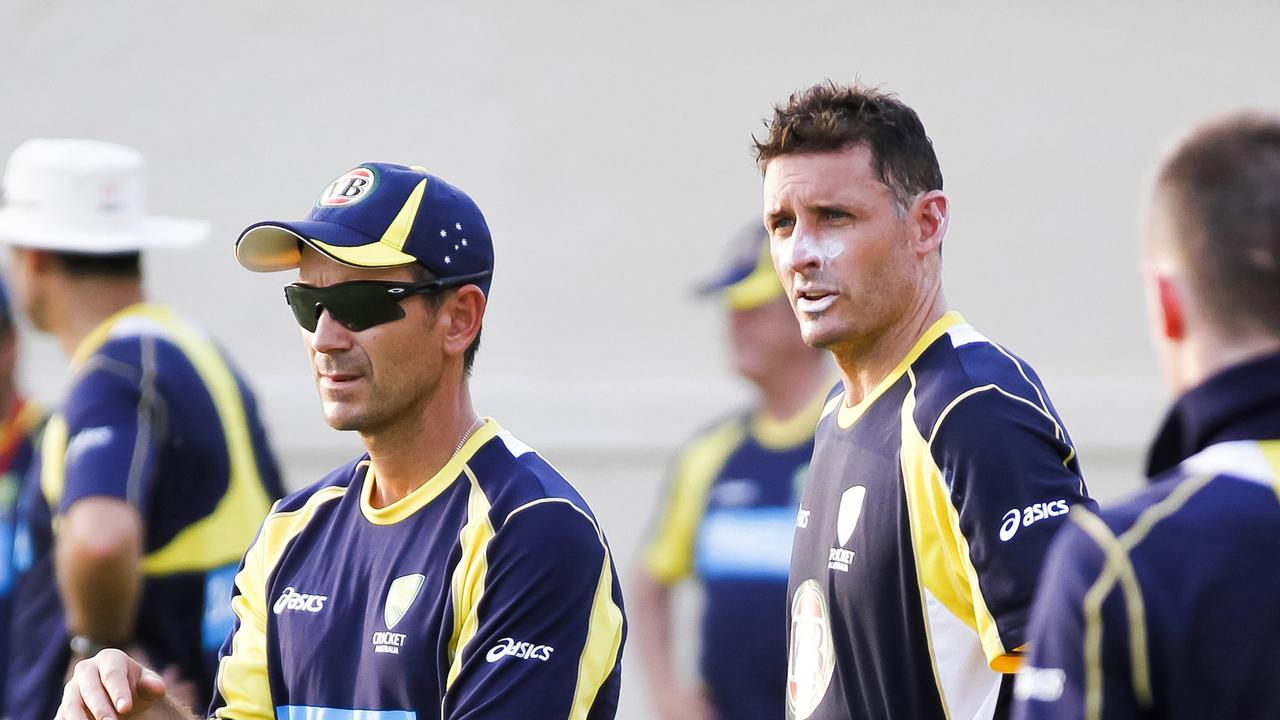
[[817, 336], [339, 417]]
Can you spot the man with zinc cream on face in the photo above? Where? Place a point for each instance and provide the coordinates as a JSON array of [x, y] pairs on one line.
[[940, 469]]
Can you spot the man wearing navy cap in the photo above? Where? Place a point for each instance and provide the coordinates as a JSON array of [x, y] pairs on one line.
[[1167, 605], [449, 571], [155, 469], [730, 511]]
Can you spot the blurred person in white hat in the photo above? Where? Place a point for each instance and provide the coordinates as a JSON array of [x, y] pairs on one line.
[[730, 510], [155, 470]]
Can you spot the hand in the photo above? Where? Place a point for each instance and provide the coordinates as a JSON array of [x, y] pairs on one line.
[[685, 703], [183, 692], [107, 686]]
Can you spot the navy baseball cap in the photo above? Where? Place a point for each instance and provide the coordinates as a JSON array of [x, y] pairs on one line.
[[380, 215], [748, 279]]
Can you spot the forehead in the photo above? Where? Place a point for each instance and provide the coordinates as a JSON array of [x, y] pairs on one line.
[[811, 178], [319, 269]]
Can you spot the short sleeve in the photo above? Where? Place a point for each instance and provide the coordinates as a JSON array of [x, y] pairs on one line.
[[668, 554], [1078, 630], [1012, 476], [549, 625], [114, 425]]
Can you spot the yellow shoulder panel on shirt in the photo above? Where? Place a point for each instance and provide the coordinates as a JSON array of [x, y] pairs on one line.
[[941, 550], [53, 462], [218, 539], [242, 673], [668, 556]]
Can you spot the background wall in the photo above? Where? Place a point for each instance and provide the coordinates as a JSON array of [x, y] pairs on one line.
[[608, 144]]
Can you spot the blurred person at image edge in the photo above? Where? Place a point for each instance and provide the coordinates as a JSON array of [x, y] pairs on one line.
[[18, 437], [1167, 605]]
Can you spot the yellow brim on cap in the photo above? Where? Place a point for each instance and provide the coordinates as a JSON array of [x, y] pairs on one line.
[[374, 255], [269, 247], [756, 289]]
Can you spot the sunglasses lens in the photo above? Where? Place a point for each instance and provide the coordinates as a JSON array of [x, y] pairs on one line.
[[356, 305]]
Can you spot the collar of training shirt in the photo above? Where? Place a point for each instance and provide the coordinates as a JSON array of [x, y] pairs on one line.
[[1239, 403]]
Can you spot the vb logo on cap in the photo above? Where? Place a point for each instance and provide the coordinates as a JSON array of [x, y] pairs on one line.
[[349, 189]]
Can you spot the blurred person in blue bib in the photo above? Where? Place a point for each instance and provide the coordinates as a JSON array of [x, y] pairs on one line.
[[447, 572], [19, 434], [1167, 604], [729, 512], [155, 470]]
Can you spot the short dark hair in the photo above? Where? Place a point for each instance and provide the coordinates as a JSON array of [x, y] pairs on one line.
[[421, 274], [1222, 187], [829, 118], [119, 265]]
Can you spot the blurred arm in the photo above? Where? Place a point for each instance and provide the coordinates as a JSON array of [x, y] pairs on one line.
[[98, 553], [652, 608]]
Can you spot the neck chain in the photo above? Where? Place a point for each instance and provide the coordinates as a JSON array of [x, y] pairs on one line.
[[479, 423]]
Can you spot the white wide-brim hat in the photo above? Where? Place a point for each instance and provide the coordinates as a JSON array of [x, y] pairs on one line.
[[84, 196]]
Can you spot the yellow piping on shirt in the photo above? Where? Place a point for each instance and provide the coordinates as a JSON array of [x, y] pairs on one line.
[[1118, 567], [467, 583]]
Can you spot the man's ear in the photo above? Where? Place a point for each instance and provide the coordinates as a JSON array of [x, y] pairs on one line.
[[463, 314], [34, 262], [1167, 304], [930, 212]]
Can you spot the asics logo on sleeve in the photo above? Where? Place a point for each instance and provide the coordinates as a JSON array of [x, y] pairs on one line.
[[291, 599], [1029, 515], [522, 650]]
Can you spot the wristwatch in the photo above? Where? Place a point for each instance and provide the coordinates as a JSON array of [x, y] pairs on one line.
[[85, 646]]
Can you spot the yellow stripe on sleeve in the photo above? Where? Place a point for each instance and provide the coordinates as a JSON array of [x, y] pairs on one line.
[[668, 557], [468, 582], [604, 639], [1119, 570]]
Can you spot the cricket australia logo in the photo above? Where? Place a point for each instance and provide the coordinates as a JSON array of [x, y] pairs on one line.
[[846, 521], [403, 592]]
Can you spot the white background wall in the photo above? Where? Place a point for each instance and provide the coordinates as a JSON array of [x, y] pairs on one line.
[[608, 146]]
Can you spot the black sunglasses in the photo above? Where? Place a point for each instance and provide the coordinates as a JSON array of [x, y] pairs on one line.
[[361, 304]]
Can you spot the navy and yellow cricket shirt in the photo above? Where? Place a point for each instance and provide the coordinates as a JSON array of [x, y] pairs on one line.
[[1168, 605], [728, 518], [488, 592], [157, 417], [17, 446], [920, 535]]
